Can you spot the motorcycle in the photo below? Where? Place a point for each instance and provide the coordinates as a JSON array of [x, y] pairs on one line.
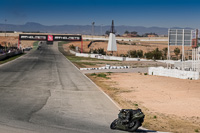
[[136, 118]]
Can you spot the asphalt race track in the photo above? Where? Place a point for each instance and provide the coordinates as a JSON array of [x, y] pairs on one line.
[[42, 92]]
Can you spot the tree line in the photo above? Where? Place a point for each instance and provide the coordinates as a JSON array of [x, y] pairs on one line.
[[155, 54]]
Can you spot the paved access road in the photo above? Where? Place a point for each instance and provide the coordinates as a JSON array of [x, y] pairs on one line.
[[43, 92]]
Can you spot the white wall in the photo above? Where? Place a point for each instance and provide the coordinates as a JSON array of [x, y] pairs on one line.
[[161, 71], [100, 56]]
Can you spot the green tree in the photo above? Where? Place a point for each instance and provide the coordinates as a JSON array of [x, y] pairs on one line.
[[132, 53], [149, 55], [72, 47], [155, 54], [165, 52], [135, 54], [177, 52], [101, 51], [107, 32], [139, 53], [98, 51], [133, 32], [126, 32]]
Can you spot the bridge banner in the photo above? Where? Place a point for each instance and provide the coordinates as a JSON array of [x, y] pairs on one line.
[[50, 37], [32, 37], [67, 37]]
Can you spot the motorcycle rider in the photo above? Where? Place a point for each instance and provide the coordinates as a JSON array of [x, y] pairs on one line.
[[126, 114]]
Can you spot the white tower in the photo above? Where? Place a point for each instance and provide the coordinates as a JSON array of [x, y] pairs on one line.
[[112, 45]]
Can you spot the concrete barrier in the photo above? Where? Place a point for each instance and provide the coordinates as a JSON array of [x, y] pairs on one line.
[[11, 54], [3, 56], [161, 71], [105, 57]]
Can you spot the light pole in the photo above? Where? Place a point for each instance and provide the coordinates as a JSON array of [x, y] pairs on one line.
[[101, 29], [5, 27], [93, 28]]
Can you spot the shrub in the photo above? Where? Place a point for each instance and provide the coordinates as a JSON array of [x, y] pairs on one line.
[[102, 75], [98, 51], [177, 52], [133, 43], [123, 55], [72, 47], [135, 54], [155, 54], [93, 74]]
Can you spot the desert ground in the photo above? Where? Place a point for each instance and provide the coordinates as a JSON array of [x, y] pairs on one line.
[[12, 41], [170, 104]]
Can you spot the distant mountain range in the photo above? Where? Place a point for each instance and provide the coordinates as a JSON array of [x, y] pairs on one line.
[[81, 29]]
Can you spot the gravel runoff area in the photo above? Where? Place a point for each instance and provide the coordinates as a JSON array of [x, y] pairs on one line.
[[170, 104]]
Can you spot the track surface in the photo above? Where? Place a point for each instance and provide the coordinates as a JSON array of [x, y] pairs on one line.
[[43, 92]]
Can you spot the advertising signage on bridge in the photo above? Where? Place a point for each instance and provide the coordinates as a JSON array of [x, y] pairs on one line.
[[66, 37], [32, 37], [50, 37]]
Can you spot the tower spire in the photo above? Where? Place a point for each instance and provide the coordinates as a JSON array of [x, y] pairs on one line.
[[112, 27]]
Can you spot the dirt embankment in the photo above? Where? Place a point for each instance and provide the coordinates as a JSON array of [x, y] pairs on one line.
[[12, 41]]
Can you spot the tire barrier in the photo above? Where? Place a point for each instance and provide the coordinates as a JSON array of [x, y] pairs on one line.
[[107, 67]]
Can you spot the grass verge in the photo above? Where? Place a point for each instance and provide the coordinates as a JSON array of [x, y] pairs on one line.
[[81, 62], [35, 45]]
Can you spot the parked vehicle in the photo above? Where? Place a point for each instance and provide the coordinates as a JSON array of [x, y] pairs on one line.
[[128, 120]]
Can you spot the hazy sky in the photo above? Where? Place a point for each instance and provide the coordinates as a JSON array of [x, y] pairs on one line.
[[148, 13]]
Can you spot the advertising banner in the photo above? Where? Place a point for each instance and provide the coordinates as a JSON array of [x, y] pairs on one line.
[[66, 37], [180, 37], [32, 37], [50, 37]]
